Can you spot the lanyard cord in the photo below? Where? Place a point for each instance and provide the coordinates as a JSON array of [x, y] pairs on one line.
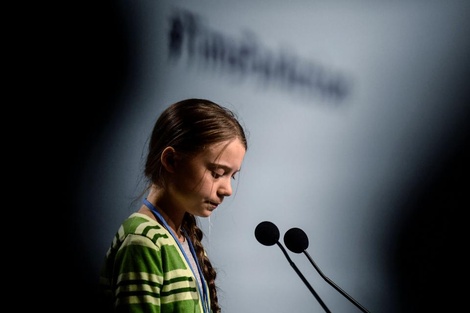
[[193, 252]]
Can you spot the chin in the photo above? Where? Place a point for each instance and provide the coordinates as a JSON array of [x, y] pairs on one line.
[[206, 213]]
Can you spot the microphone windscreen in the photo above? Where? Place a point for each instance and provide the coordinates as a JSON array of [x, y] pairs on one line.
[[296, 240], [267, 233]]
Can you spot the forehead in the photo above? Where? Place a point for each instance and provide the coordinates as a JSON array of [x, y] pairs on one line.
[[228, 153]]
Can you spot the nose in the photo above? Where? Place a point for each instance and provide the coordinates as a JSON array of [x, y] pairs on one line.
[[225, 188]]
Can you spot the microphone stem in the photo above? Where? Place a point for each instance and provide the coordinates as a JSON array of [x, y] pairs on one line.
[[303, 279], [335, 286]]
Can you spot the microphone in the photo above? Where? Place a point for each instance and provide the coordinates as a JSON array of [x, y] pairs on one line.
[[268, 234], [296, 241]]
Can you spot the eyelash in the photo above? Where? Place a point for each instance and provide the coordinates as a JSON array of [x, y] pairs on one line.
[[216, 175]]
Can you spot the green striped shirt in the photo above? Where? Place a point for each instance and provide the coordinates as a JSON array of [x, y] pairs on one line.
[[145, 271]]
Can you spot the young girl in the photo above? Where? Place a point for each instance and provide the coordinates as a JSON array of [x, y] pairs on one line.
[[156, 262]]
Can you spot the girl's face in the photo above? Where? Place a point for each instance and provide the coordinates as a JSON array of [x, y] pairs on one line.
[[202, 182]]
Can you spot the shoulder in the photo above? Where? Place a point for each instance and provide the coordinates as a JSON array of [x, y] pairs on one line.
[[142, 230]]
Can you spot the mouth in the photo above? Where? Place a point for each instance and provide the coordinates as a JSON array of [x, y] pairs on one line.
[[213, 205]]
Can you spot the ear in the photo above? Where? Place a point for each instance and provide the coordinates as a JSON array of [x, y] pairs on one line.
[[168, 159]]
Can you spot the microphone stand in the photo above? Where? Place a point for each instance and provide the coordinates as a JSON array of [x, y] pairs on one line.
[[303, 279], [334, 285]]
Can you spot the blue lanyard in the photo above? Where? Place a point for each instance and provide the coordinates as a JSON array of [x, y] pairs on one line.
[[193, 252]]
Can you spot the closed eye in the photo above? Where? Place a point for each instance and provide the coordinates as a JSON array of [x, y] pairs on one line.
[[218, 171], [216, 175]]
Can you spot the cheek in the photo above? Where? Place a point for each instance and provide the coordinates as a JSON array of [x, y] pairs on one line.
[[190, 180], [203, 185], [207, 185]]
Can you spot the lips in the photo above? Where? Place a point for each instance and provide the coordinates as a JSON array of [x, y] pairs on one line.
[[214, 205]]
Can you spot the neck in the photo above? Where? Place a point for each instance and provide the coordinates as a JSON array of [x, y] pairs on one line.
[[173, 220], [172, 216]]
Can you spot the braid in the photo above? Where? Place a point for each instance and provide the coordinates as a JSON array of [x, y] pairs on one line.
[[196, 234]]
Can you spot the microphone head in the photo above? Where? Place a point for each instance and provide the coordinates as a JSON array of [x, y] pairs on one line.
[[296, 240], [267, 233]]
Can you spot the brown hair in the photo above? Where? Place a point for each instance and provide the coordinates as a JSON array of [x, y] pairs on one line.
[[189, 126]]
